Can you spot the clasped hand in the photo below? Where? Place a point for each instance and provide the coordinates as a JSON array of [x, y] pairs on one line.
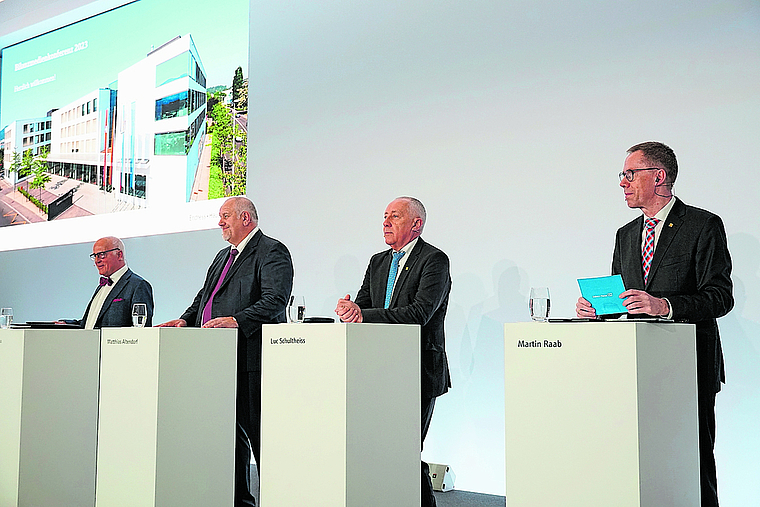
[[348, 311]]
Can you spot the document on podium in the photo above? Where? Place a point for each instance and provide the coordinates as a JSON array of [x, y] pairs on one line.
[[604, 293]]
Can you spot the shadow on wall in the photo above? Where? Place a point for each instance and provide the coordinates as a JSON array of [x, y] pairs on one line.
[[474, 408], [738, 405]]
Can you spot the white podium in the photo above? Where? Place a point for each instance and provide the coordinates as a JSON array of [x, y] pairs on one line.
[[340, 415], [600, 414], [48, 416], [166, 432]]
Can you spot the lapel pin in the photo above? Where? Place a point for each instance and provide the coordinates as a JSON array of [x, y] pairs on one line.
[[670, 224]]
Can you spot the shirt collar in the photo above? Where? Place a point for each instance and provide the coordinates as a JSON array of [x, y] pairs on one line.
[[240, 246], [408, 247], [665, 211], [116, 275]]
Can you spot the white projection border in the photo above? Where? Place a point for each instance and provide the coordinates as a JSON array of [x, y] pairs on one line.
[[125, 224], [89, 64]]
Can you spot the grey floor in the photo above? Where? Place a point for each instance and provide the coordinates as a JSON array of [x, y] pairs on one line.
[[452, 498], [456, 498]]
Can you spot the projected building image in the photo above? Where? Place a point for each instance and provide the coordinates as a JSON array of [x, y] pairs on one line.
[[138, 142], [141, 139], [82, 139], [30, 135], [160, 125]]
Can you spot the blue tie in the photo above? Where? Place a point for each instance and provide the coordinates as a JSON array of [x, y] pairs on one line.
[[392, 277]]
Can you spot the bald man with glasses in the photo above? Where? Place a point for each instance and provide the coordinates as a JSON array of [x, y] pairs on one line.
[[118, 290]]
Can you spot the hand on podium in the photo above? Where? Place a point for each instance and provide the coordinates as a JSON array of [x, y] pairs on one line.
[[584, 310], [173, 323], [638, 301], [348, 311]]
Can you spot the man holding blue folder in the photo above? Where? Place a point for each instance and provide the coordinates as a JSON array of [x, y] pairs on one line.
[[675, 263]]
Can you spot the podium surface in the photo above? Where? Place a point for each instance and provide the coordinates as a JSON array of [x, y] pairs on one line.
[[601, 413], [166, 432], [48, 416], [340, 415]]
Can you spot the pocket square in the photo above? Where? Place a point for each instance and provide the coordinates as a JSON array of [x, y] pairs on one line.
[[117, 300]]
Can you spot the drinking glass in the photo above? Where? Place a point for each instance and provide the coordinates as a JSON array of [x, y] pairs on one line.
[[139, 314], [6, 318], [539, 304], [296, 309]]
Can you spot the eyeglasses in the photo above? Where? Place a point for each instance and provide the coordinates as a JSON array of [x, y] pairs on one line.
[[102, 255], [630, 173]]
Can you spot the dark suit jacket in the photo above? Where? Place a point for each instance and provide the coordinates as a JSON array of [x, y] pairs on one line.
[[421, 296], [255, 292], [691, 267], [117, 308]]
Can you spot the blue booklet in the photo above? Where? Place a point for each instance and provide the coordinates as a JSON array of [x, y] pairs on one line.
[[604, 293]]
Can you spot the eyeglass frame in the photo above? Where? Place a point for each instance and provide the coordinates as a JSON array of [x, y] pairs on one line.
[[632, 172], [102, 255]]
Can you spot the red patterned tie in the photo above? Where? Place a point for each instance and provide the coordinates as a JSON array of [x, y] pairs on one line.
[[648, 251]]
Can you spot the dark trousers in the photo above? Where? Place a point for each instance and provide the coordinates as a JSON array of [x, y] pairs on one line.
[[428, 500], [708, 475], [248, 434]]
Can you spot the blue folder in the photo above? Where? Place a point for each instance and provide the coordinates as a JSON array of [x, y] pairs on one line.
[[604, 293]]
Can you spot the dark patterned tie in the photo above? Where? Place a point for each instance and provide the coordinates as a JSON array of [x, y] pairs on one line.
[[392, 277], [207, 308], [105, 280], [648, 251]]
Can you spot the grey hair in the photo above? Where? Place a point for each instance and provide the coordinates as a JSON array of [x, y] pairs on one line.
[[241, 204], [114, 242], [417, 209]]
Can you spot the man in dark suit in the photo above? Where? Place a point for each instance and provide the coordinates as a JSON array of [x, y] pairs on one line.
[[119, 289], [247, 285], [409, 284], [675, 263]]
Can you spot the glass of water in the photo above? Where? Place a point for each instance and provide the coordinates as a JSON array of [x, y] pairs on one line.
[[539, 304], [6, 318], [139, 314], [296, 309]]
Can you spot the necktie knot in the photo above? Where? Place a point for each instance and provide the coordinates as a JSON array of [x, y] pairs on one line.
[[651, 223], [397, 256], [105, 280], [233, 252]]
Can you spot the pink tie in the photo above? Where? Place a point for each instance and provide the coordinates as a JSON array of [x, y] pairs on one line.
[[207, 308], [648, 252]]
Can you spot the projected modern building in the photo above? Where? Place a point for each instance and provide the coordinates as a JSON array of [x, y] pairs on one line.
[[142, 137], [32, 134], [160, 125], [82, 136]]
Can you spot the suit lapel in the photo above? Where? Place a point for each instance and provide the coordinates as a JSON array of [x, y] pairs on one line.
[[249, 249], [670, 228], [114, 294], [383, 269], [634, 270], [89, 305], [404, 272]]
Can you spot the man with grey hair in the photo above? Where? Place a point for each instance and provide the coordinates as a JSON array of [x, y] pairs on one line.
[[675, 263], [409, 284], [119, 289], [247, 285]]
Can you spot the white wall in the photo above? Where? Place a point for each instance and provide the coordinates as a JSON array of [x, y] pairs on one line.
[[510, 121]]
